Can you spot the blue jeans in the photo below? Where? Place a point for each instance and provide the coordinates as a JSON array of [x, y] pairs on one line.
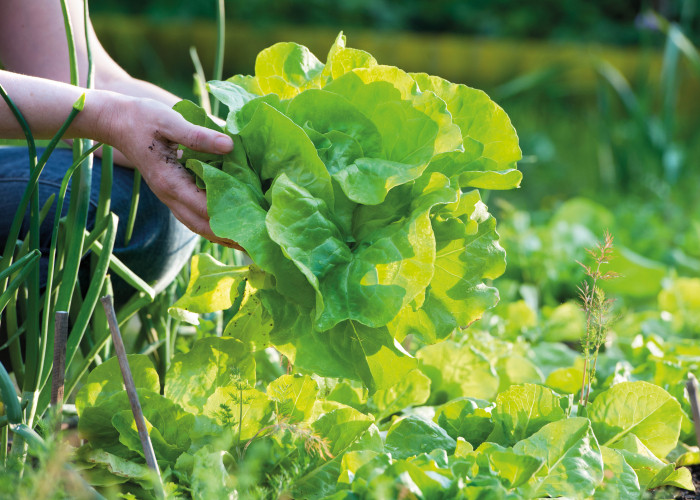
[[160, 245]]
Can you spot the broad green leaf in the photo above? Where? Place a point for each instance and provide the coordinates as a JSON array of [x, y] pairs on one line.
[[287, 68], [515, 369], [207, 473], [462, 264], [342, 59], [457, 371], [565, 380], [341, 427], [414, 126], [644, 409], [501, 179], [487, 487], [106, 380], [232, 95], [97, 428], [433, 191], [295, 396], [247, 82], [236, 409], [372, 468], [238, 212], [421, 472], [213, 286], [196, 115], [370, 440], [370, 219], [431, 322], [412, 390], [522, 410], [689, 458], [237, 120], [368, 180], [640, 277], [275, 145], [314, 251], [167, 423], [378, 360], [512, 468], [466, 418], [119, 469], [252, 324], [463, 449], [619, 479], [351, 461], [478, 118], [412, 435], [326, 112], [670, 476], [573, 465], [212, 363], [385, 274], [294, 336], [345, 393], [645, 464]]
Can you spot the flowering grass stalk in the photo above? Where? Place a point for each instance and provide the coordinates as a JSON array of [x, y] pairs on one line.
[[597, 308]]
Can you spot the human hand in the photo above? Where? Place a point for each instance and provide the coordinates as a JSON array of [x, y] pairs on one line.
[[147, 133]]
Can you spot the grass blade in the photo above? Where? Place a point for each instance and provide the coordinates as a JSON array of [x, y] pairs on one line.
[[220, 44]]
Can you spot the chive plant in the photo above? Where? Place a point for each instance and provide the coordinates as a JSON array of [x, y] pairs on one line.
[[650, 148], [25, 311]]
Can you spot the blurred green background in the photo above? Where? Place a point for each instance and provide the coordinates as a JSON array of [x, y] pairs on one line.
[[604, 96], [538, 59]]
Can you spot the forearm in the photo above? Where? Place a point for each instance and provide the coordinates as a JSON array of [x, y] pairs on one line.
[[127, 85], [46, 104]]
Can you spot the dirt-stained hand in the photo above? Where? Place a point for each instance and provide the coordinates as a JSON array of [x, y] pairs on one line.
[[148, 133]]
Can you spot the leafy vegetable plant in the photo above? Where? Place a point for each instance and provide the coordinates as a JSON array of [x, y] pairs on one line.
[[353, 187], [219, 433]]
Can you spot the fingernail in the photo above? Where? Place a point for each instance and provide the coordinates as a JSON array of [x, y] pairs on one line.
[[223, 144]]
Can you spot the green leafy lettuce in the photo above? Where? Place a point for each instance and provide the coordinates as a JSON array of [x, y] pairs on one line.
[[352, 186]]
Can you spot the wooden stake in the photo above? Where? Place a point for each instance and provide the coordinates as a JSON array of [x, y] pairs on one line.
[[129, 384], [59, 365], [692, 387]]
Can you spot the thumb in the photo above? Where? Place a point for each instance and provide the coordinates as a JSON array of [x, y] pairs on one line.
[[199, 138]]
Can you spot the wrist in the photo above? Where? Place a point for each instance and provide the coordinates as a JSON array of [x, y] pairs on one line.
[[100, 118]]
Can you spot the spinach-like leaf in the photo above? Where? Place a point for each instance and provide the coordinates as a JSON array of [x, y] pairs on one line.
[[640, 408]]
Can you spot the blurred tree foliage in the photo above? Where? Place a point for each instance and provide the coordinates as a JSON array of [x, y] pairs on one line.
[[587, 20]]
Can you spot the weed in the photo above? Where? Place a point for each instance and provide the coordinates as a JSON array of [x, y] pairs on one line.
[[597, 308]]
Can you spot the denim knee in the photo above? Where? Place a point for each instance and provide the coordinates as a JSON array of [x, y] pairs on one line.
[[159, 247]]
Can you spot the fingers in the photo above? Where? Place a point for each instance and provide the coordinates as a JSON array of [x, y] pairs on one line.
[[187, 202], [198, 138]]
